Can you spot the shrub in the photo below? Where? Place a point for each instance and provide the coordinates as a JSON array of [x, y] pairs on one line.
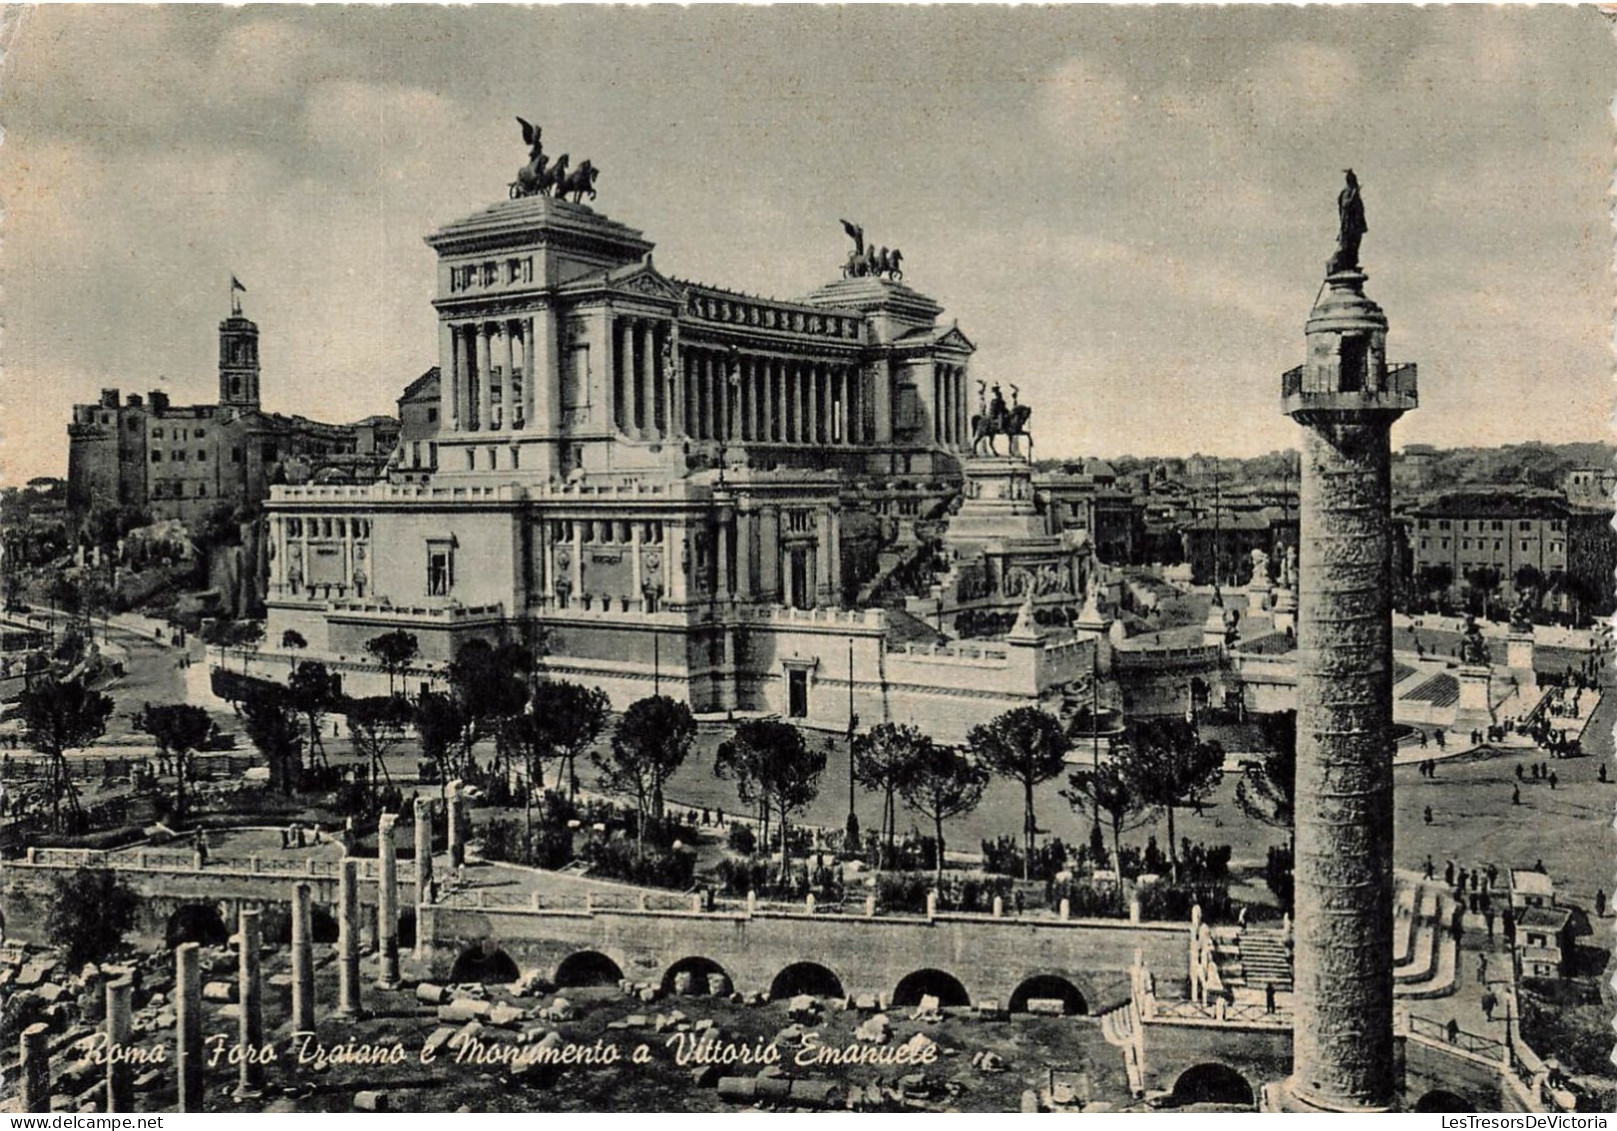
[[1277, 874], [90, 912], [617, 859], [738, 875], [742, 839]]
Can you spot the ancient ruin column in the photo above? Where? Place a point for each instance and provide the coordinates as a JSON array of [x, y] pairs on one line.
[[457, 826], [188, 1025], [387, 902], [423, 849], [250, 996], [34, 1068], [120, 1074], [348, 997], [1343, 1047], [302, 960]]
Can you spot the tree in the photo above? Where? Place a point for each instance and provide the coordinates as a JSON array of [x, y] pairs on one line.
[[90, 910], [376, 725], [771, 764], [1169, 766], [58, 716], [1028, 746], [311, 692], [271, 715], [439, 724], [1267, 791], [943, 783], [1106, 789], [884, 759], [490, 683], [649, 744], [525, 738], [575, 718], [293, 641], [179, 729], [393, 652]]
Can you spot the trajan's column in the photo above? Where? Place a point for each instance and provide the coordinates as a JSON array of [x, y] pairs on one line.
[[1346, 397]]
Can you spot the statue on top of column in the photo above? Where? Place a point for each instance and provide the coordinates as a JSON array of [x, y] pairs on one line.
[[1351, 227]]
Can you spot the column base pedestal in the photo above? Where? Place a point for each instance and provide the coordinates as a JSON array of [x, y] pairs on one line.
[[1283, 1096]]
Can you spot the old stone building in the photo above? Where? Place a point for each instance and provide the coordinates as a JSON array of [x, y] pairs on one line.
[[185, 461], [689, 490]]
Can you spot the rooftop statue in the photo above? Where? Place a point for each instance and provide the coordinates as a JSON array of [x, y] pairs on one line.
[[1351, 227], [541, 177], [868, 261], [1473, 648]]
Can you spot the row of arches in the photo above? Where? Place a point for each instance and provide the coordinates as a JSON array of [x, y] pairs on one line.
[[592, 968], [206, 923]]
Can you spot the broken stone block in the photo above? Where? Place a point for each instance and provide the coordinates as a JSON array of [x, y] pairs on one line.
[[561, 1010], [466, 1032], [231, 1012], [1046, 1006], [703, 1025], [505, 1014], [371, 1101], [219, 991], [684, 983], [637, 1021], [718, 984], [440, 1037], [148, 1080], [790, 1037], [430, 992], [476, 990], [463, 1009], [279, 981], [876, 1030], [866, 1003], [50, 992], [650, 994]]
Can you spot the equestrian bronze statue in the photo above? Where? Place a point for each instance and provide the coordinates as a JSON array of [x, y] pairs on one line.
[[542, 177], [995, 418], [868, 262]]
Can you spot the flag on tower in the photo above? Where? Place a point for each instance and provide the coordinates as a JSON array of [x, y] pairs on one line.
[[235, 285]]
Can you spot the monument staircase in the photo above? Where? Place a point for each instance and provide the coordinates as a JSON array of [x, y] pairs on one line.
[[1425, 954]]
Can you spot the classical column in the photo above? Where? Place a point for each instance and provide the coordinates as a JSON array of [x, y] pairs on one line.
[[447, 376], [578, 559], [721, 564], [822, 558], [636, 577], [120, 1074], [828, 406], [348, 1004], [766, 391], [250, 997], [675, 556], [622, 413], [302, 960], [834, 554], [538, 383], [387, 901], [457, 826], [646, 394], [746, 523], [485, 373], [423, 850], [188, 1025], [769, 553], [743, 399], [508, 393], [34, 1068]]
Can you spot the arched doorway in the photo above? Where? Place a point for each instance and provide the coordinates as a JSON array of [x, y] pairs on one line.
[[943, 986], [704, 976], [1212, 1084], [484, 962], [805, 978], [198, 923], [1447, 1102], [588, 968], [1050, 987]]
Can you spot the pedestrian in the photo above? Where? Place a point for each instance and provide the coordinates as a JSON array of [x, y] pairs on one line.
[[1428, 814], [1600, 903], [1453, 1031], [1488, 917], [1508, 923], [1553, 780], [1489, 1001], [1602, 773], [1448, 872], [1423, 740], [1476, 882], [1268, 997], [1021, 903], [283, 838], [1539, 867], [1441, 744], [1493, 874], [1428, 865], [1518, 771], [1482, 969]]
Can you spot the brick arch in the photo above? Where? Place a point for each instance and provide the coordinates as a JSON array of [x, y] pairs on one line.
[[700, 968], [941, 984], [1213, 1082], [588, 968], [486, 962], [806, 978], [1073, 999], [1441, 1100], [200, 922]]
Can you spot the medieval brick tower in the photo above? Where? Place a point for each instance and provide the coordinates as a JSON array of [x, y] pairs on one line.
[[238, 361], [1346, 397]]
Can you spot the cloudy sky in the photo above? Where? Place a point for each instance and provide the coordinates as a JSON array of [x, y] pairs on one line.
[[1128, 210]]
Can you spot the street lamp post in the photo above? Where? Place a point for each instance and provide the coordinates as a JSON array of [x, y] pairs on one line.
[[852, 826]]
